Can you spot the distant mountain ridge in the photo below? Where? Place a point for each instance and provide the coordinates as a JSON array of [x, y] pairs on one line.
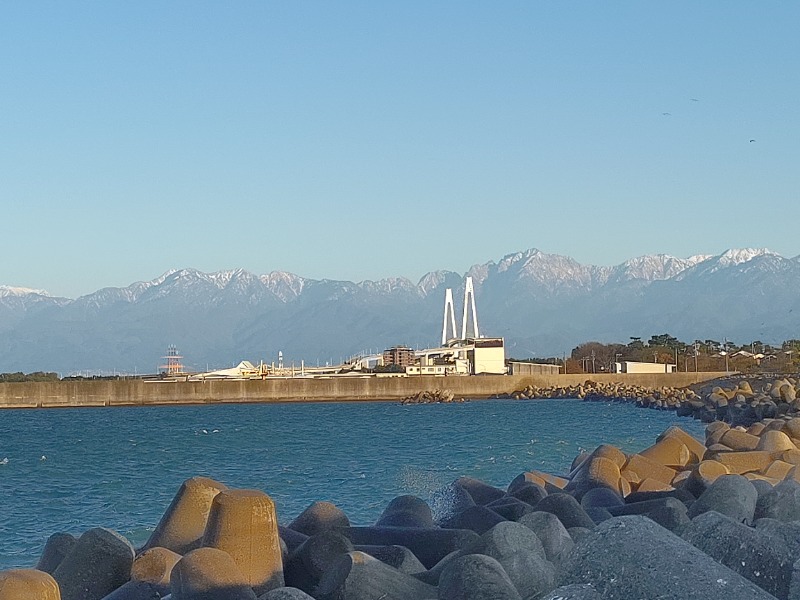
[[543, 304]]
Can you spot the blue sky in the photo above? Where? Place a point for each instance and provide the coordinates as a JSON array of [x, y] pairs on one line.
[[360, 140]]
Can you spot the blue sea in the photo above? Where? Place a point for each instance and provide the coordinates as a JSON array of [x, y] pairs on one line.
[[72, 469]]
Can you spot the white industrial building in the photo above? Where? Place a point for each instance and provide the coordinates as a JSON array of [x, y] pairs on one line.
[[643, 367]]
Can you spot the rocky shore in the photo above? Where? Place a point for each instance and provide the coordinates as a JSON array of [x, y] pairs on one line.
[[736, 400], [682, 519]]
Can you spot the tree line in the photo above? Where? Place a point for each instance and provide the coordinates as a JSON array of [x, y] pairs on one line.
[[697, 355]]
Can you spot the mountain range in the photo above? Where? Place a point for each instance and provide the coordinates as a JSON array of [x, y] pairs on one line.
[[542, 304]]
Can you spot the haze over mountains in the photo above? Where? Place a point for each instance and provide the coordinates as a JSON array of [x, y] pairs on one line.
[[543, 304]]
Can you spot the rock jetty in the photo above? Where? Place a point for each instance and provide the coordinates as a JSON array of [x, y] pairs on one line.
[[737, 401], [680, 520], [431, 397]]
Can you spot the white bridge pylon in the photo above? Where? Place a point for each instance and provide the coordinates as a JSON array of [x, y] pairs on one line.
[[450, 316]]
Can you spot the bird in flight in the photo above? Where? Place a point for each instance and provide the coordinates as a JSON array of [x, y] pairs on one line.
[[667, 114], [694, 99], [751, 141]]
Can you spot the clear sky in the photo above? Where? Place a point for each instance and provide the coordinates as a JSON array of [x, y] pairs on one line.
[[360, 140]]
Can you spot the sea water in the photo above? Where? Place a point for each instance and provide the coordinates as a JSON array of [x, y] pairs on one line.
[[72, 469]]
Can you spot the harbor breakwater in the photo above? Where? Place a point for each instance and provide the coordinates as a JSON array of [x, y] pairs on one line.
[[136, 392], [678, 520]]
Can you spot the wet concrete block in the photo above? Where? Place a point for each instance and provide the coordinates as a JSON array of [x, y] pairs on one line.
[[308, 563], [319, 517], [567, 509], [679, 494], [476, 577], [784, 534], [672, 517], [578, 533], [731, 495], [481, 493], [510, 508], [530, 492], [182, 525], [476, 518], [358, 576], [601, 497], [575, 591], [531, 574], [522, 479], [428, 545], [782, 502], [507, 538], [293, 539], [243, 524], [56, 548], [285, 593], [551, 532], [634, 558], [598, 514], [139, 590], [742, 549], [447, 502], [28, 584], [646, 506], [399, 557], [99, 563], [209, 574], [406, 511]]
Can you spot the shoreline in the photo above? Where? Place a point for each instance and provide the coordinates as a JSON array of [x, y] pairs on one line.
[[131, 392]]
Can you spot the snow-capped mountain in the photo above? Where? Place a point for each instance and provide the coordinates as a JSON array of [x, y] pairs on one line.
[[541, 303]]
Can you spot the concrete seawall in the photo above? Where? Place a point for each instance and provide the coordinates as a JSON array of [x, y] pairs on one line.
[[136, 392]]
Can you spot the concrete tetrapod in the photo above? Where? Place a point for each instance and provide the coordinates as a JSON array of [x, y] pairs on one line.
[[358, 576], [154, 566], [243, 524], [575, 591], [730, 495], [138, 590], [319, 517], [399, 557], [308, 563], [184, 522], [554, 536], [209, 574], [406, 511], [633, 557], [98, 564], [28, 584], [476, 577], [745, 550], [57, 547], [428, 545], [285, 593]]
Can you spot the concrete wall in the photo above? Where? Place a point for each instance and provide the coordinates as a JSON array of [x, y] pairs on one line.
[[138, 392]]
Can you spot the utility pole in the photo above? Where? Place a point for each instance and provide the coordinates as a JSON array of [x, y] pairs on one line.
[[695, 356], [593, 369]]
